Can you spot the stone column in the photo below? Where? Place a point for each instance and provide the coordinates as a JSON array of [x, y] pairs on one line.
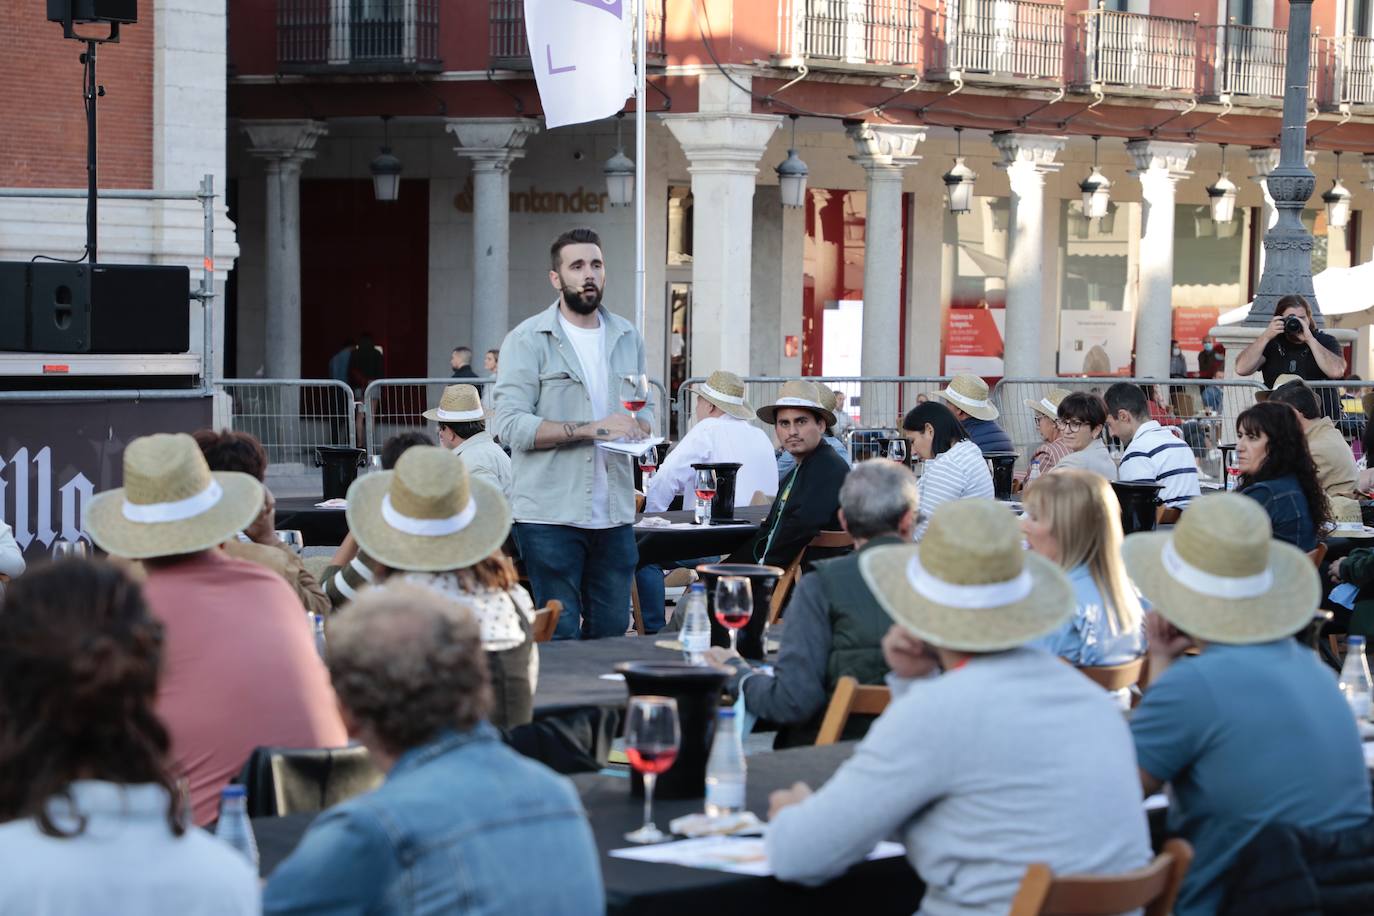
[[723, 148], [1159, 166], [929, 273], [1026, 158], [285, 145], [492, 144], [883, 151], [779, 246]]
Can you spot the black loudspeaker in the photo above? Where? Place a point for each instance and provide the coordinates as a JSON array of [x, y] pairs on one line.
[[108, 308], [14, 305], [122, 11]]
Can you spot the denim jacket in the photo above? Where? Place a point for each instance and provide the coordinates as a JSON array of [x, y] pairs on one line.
[[1089, 637], [541, 379], [1289, 513], [462, 824]]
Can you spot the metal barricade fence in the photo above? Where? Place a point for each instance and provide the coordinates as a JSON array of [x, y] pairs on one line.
[[870, 401], [394, 405], [291, 417], [1346, 401], [1203, 428]]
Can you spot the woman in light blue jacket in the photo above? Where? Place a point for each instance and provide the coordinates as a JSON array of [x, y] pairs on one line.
[[1074, 519]]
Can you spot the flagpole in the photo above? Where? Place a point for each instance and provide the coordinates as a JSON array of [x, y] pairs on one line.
[[641, 42]]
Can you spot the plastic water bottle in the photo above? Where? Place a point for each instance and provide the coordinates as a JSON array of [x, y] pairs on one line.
[[696, 626], [1354, 681], [234, 827], [1034, 472], [1232, 479], [317, 624], [725, 770]]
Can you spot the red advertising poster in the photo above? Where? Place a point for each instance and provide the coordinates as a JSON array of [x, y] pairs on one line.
[[1191, 324], [973, 342]]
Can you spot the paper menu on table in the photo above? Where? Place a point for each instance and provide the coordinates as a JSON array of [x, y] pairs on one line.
[[738, 855], [633, 449]]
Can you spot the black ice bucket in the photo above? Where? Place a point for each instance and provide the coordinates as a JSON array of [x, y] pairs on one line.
[[697, 690], [762, 581], [723, 503], [1139, 501], [1003, 466], [339, 467]]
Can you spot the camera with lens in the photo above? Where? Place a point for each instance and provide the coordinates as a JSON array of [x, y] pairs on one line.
[[1292, 326]]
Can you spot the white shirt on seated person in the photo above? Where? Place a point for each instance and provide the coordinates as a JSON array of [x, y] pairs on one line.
[[716, 437]]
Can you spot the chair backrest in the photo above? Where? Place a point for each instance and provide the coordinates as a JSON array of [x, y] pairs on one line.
[[849, 699], [1317, 554], [1153, 887], [829, 540], [1116, 677], [1168, 515], [283, 780], [546, 620]]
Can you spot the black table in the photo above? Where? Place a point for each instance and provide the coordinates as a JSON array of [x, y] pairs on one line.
[[570, 669], [660, 546], [884, 886], [319, 527]]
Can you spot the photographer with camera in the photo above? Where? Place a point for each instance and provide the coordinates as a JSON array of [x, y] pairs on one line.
[[1292, 345]]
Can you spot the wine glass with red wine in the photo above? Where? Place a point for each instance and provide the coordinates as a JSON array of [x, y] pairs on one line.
[[634, 392], [706, 491], [734, 604], [648, 462], [652, 737]]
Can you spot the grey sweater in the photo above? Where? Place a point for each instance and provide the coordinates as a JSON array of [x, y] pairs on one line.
[[1012, 759]]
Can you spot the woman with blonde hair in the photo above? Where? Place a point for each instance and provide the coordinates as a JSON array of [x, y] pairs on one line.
[[1073, 518]]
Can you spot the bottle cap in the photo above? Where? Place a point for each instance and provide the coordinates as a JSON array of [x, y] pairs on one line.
[[1354, 640], [728, 712], [698, 586], [234, 792]]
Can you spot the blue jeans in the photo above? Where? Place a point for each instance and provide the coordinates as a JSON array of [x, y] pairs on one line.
[[652, 594], [588, 569]]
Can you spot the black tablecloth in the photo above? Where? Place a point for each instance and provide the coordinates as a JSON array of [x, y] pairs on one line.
[[883, 886], [661, 545], [319, 527], [570, 669]]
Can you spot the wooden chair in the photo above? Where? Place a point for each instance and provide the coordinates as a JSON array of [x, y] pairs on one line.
[[546, 620], [1115, 677], [1153, 887], [1317, 554], [636, 610], [1167, 515], [850, 699], [826, 540]]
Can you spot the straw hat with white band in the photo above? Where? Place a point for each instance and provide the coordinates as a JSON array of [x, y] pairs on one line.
[[171, 502], [969, 393], [459, 404], [969, 586], [801, 394], [1048, 406], [1285, 379], [726, 391], [1220, 576], [1347, 519], [427, 515]]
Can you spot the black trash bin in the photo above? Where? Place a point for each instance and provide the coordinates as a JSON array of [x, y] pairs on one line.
[[697, 690], [339, 468]]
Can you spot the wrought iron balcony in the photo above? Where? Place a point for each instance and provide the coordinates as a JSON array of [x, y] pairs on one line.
[[510, 49], [1249, 62], [874, 32], [1135, 52], [1350, 68], [351, 36], [1006, 40]]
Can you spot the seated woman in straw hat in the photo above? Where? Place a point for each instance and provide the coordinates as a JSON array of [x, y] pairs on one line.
[[428, 522], [1253, 730], [955, 467], [1081, 418], [1073, 519], [1007, 758], [1053, 446]]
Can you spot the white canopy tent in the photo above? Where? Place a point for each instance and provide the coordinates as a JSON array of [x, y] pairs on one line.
[[1340, 291]]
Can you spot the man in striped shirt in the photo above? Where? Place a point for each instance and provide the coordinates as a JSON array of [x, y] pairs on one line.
[[1153, 453]]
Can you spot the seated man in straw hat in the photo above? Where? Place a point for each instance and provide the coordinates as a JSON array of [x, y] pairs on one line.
[[1253, 730], [462, 823], [1053, 447], [240, 670], [1335, 462], [722, 433], [829, 399], [463, 431], [967, 396], [1007, 758]]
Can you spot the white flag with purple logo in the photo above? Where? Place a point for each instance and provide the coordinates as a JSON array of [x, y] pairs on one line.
[[582, 58]]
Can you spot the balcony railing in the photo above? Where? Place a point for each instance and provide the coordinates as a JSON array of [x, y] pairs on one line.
[[357, 35], [1244, 60], [880, 32], [1135, 51], [509, 46], [1015, 39], [1351, 69]]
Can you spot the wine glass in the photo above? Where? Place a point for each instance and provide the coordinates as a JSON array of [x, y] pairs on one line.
[[648, 462], [634, 392], [896, 451], [651, 742], [62, 549], [706, 491], [734, 605]]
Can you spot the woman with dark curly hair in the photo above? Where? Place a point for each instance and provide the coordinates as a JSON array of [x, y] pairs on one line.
[[91, 820], [1277, 470]]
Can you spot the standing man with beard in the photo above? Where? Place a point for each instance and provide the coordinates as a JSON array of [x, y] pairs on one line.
[[556, 397]]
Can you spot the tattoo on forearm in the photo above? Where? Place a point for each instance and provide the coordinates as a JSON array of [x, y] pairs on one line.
[[602, 431], [570, 430]]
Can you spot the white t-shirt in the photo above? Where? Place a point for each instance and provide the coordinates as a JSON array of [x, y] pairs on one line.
[[590, 344]]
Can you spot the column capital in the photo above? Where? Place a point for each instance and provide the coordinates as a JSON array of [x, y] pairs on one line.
[[1161, 157], [1264, 161], [722, 143], [284, 140], [491, 143], [884, 146], [1031, 154], [1367, 160]]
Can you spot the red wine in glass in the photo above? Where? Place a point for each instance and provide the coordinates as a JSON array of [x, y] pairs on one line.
[[732, 619], [634, 405], [706, 495], [651, 760]]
